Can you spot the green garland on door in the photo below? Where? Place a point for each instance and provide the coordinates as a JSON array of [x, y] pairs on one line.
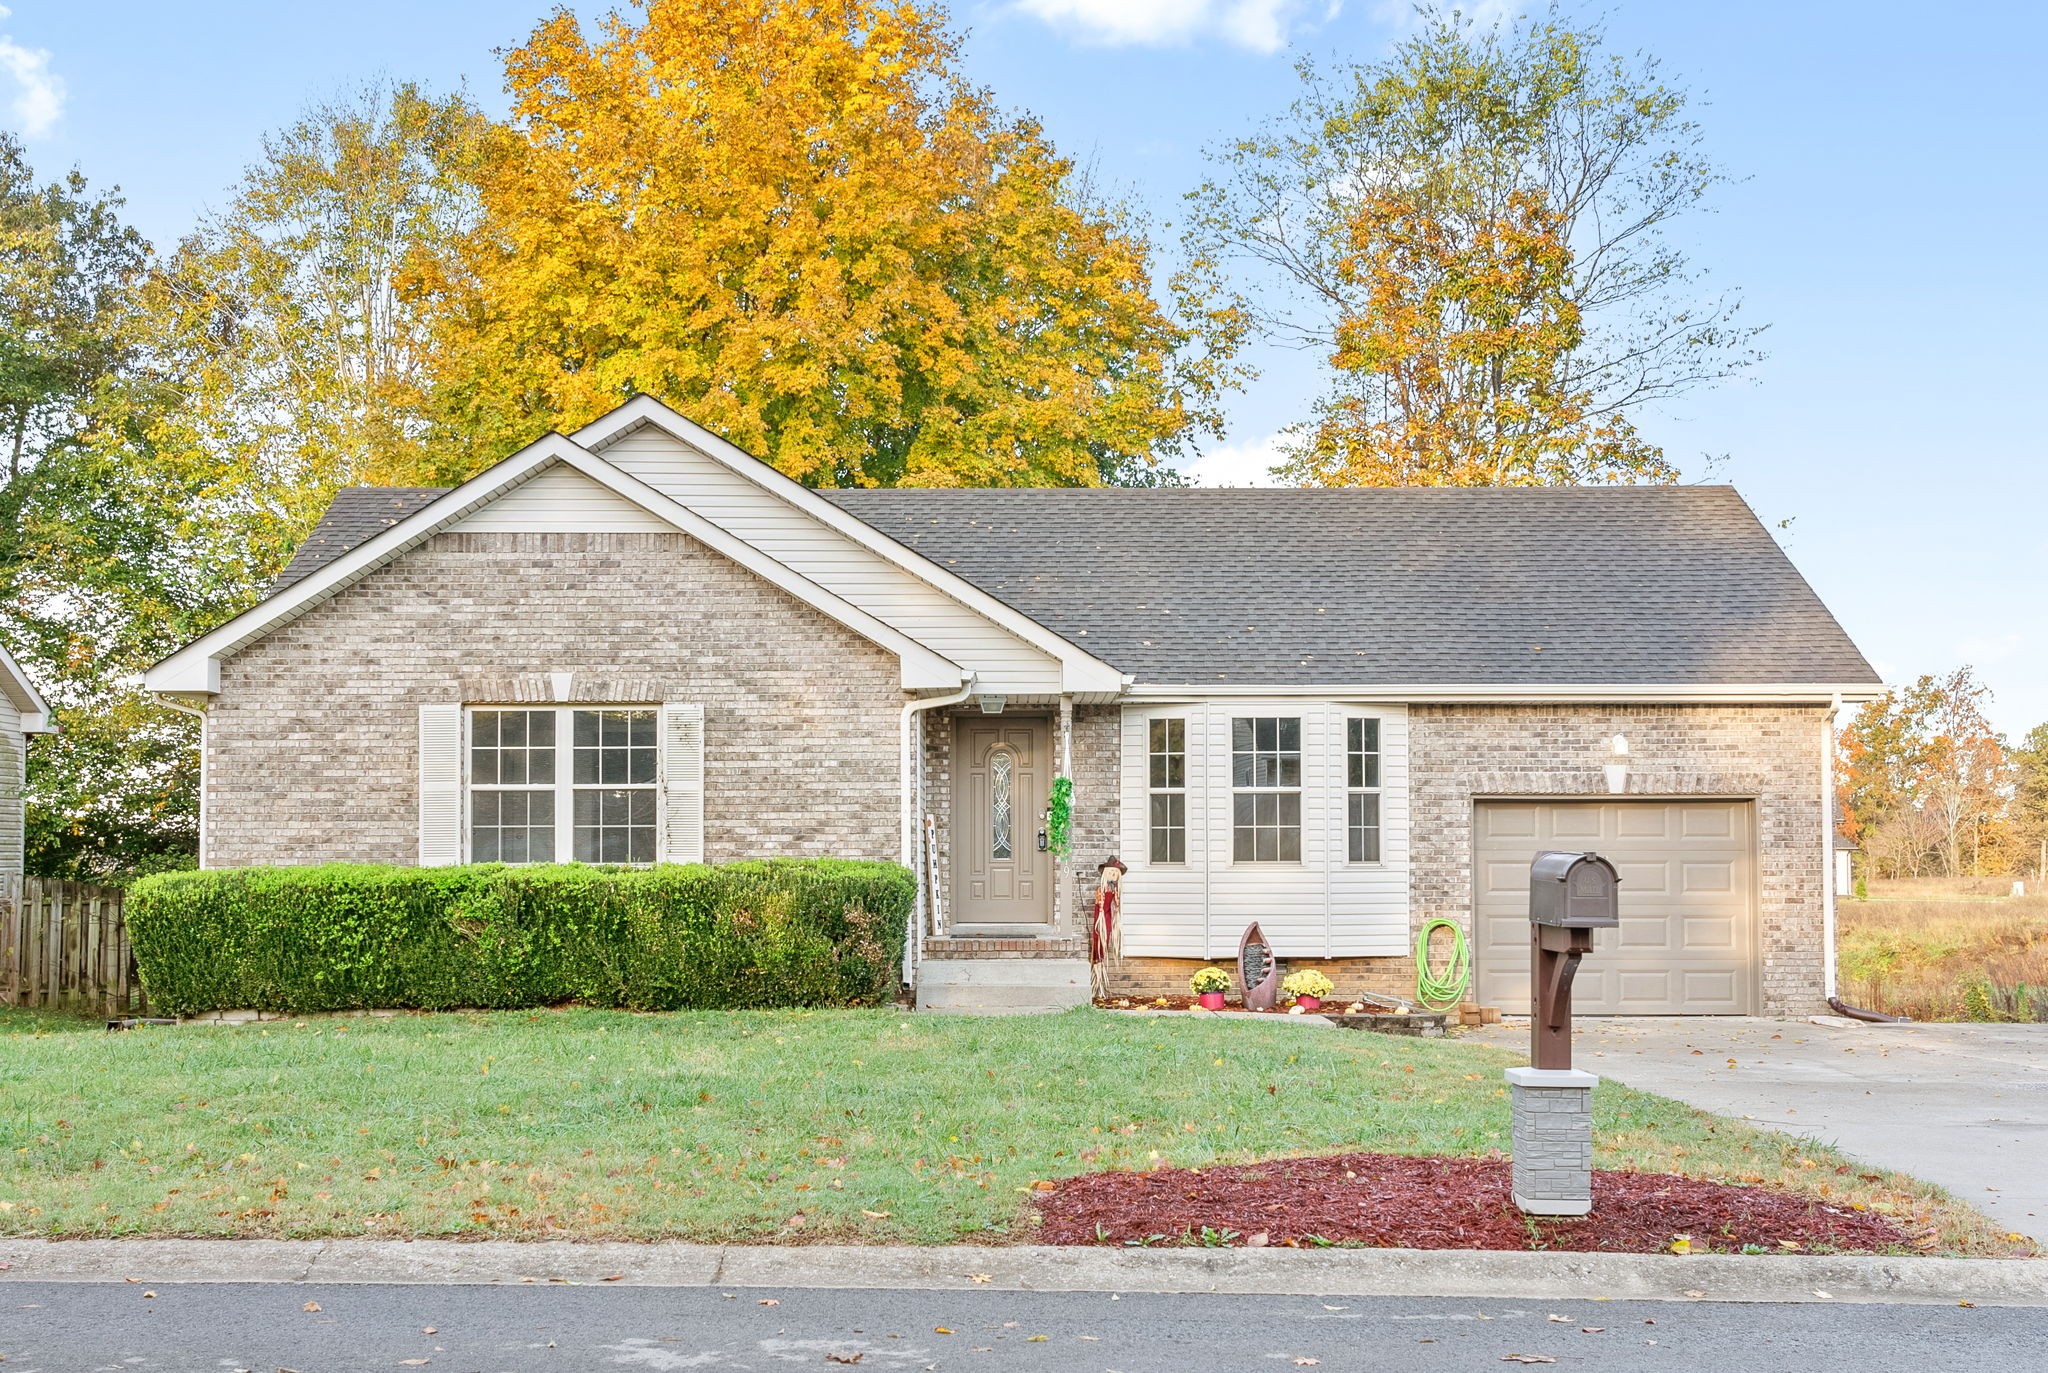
[[1059, 820]]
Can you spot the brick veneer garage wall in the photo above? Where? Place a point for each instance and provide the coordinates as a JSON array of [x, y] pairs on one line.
[[1768, 753], [312, 745]]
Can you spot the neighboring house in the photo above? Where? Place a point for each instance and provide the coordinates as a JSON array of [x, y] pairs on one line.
[[22, 713], [1338, 713]]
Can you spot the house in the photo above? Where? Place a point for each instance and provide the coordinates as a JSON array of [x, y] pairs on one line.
[[1339, 713], [22, 712]]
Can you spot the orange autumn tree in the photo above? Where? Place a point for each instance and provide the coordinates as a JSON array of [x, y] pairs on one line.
[[798, 224], [1457, 363]]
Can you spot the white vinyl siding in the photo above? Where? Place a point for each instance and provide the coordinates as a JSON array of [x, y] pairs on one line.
[[561, 500], [1001, 662], [13, 760], [1321, 906]]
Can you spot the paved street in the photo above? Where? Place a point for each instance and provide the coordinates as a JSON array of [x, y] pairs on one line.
[[1963, 1106], [66, 1328]]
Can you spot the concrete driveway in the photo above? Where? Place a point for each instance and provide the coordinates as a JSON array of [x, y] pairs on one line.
[[1963, 1106]]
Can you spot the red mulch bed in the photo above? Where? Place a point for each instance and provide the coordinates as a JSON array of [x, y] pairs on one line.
[[1396, 1202]]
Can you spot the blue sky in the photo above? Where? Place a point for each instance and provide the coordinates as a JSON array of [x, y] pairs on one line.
[[1887, 229]]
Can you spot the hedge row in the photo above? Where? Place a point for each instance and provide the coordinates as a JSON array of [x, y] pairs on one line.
[[785, 932]]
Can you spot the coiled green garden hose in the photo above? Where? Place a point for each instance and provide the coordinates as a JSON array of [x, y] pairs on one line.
[[1441, 991]]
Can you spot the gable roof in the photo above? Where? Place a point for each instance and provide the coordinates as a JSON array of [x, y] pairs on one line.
[[1676, 586], [22, 695], [194, 669]]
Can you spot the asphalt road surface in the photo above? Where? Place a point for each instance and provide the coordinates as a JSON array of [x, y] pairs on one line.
[[275, 1327]]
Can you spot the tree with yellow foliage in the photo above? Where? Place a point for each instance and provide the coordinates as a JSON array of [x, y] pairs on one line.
[[798, 224], [1476, 232]]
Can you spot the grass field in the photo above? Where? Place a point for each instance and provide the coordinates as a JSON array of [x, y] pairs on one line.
[[766, 1127], [1938, 949]]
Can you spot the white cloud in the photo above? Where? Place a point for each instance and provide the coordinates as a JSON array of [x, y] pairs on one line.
[[1260, 25], [1238, 464], [39, 92]]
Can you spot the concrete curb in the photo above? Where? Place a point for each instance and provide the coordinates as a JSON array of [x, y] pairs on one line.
[[1038, 1268]]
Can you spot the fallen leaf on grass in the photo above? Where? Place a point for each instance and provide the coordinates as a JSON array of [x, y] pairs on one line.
[[836, 1357], [940, 1330], [874, 1215], [1043, 1186], [1036, 1339], [309, 1306]]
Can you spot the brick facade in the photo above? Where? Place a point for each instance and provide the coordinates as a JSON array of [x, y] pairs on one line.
[[1770, 754], [312, 744]]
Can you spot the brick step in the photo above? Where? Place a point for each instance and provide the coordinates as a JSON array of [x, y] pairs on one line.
[[970, 947]]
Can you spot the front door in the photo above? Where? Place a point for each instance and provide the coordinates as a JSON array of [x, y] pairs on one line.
[[1003, 777]]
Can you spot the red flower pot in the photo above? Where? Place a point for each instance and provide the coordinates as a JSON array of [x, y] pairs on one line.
[[1309, 1003], [1212, 1001]]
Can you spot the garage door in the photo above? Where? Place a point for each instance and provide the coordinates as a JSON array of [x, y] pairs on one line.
[[1686, 945]]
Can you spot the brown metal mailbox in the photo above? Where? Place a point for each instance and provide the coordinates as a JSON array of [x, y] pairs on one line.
[[1574, 891]]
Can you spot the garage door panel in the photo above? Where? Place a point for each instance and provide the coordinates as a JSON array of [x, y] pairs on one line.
[[1706, 822], [1641, 822], [1716, 878], [1570, 824], [1638, 879], [1687, 869]]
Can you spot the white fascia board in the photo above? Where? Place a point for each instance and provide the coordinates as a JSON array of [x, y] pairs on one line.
[[34, 710], [1081, 672], [195, 668], [1732, 693]]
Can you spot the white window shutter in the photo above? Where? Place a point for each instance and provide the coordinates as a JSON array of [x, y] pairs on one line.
[[682, 771], [440, 785]]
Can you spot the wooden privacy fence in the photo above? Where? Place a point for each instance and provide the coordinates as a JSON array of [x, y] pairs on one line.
[[65, 944]]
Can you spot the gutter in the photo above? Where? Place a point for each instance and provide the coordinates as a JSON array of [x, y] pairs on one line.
[[1605, 693], [911, 851]]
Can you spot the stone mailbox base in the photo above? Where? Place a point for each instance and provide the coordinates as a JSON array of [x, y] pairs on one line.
[[1553, 1140]]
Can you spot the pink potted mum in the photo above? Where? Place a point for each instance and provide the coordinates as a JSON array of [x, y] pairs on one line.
[[1209, 985]]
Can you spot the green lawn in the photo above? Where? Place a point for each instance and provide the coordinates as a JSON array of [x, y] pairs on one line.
[[782, 1126]]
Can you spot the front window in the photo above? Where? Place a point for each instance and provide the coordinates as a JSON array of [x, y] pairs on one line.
[[1167, 778], [1265, 780], [1362, 789], [525, 807]]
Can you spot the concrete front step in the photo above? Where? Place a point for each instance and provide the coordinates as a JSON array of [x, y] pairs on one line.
[[1002, 984]]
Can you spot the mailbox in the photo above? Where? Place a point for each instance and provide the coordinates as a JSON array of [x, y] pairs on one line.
[[1570, 896], [1574, 891]]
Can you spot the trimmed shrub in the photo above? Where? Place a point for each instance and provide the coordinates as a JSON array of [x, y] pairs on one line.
[[347, 936]]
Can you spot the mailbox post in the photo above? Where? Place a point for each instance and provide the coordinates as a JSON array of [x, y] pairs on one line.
[[1570, 896]]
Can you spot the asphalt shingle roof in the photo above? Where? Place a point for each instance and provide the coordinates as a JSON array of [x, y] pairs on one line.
[[1677, 585], [1665, 585], [358, 514]]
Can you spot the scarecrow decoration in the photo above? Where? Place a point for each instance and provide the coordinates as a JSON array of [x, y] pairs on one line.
[[1105, 931]]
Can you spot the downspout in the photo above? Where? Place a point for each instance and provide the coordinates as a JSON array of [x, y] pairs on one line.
[[1827, 846], [1827, 869], [912, 850]]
